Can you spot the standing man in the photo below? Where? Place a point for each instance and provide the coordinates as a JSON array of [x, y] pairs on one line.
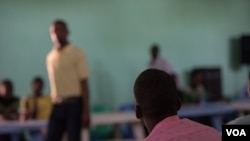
[[158, 62], [68, 74]]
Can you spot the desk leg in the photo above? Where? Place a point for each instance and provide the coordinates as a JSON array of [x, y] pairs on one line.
[[138, 131], [216, 122]]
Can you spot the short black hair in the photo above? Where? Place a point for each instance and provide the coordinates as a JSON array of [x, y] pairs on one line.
[[155, 46], [194, 72], [8, 84], [37, 79], [61, 22], [155, 92]]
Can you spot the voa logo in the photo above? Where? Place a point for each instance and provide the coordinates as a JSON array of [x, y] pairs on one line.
[[236, 132]]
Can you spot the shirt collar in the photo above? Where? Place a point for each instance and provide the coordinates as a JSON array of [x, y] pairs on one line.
[[68, 46], [168, 121]]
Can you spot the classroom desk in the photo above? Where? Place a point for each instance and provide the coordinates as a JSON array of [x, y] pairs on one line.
[[115, 118], [214, 110], [241, 105]]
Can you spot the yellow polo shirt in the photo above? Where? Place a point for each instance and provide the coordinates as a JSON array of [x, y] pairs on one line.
[[44, 106], [66, 68]]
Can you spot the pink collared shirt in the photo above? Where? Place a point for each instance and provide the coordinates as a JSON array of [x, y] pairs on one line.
[[175, 129]]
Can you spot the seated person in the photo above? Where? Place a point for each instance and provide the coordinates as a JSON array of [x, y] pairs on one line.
[[195, 92], [243, 94], [157, 104], [37, 106], [9, 105], [243, 120]]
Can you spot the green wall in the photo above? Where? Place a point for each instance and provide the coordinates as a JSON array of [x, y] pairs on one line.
[[116, 36]]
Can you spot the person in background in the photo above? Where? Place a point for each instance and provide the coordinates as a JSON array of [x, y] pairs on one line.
[[244, 92], [158, 62], [68, 76], [243, 120], [9, 105], [37, 106], [157, 104], [195, 92]]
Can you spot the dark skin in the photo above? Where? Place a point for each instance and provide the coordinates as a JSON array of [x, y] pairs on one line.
[[156, 97], [85, 95], [150, 123], [154, 52], [36, 92], [196, 80], [37, 89], [7, 93], [59, 34]]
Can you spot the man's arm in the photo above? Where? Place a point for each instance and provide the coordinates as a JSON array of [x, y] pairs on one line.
[[86, 110]]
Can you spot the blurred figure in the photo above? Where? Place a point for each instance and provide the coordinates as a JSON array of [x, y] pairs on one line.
[[36, 106], [244, 92], [158, 62], [68, 76], [9, 105], [243, 120], [157, 104], [196, 92]]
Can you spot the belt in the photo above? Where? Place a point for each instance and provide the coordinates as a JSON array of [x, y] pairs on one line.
[[67, 99]]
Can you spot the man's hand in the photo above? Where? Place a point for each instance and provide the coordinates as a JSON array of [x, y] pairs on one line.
[[86, 120], [86, 111]]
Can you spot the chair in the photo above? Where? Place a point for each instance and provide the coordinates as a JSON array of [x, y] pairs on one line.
[[125, 130], [101, 132]]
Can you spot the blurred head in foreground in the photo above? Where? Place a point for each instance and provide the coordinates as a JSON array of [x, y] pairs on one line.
[[156, 97]]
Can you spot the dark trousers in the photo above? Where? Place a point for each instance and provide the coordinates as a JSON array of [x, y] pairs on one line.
[[66, 117]]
